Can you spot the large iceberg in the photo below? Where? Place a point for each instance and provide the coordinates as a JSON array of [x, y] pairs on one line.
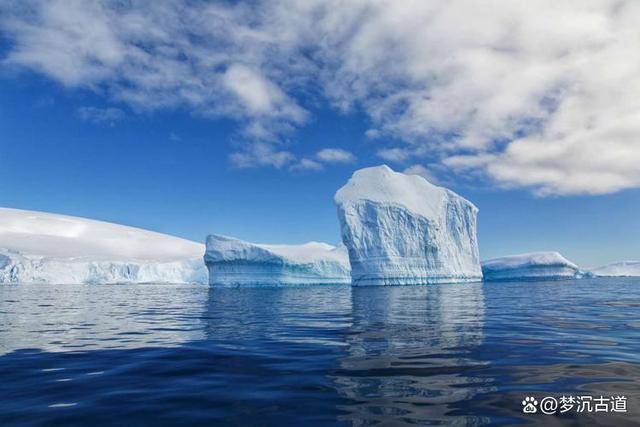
[[38, 247], [401, 229], [236, 262], [618, 269], [531, 266]]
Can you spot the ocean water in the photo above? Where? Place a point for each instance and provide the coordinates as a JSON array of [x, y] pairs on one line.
[[152, 355]]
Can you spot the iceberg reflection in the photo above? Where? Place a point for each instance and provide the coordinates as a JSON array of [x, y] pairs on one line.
[[290, 314], [410, 352]]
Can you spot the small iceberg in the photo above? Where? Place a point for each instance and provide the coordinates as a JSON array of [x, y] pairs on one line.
[[401, 229], [236, 262], [531, 266], [618, 269]]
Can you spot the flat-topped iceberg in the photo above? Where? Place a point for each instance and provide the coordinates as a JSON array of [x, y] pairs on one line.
[[618, 269], [20, 268], [38, 247], [401, 229], [236, 262], [531, 266]]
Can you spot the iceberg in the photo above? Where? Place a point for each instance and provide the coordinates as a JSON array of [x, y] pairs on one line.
[[401, 229], [20, 268], [236, 262], [531, 266], [615, 269], [39, 247]]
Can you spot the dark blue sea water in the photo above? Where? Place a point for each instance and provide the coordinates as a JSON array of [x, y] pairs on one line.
[[151, 355]]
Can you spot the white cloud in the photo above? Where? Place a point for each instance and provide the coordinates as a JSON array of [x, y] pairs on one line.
[[72, 41], [103, 116], [592, 161], [539, 94], [307, 164], [421, 171], [542, 94], [323, 157], [260, 101], [261, 154], [211, 58], [335, 155], [398, 155], [254, 92]]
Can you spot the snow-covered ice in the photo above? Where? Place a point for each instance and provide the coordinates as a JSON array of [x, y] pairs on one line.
[[531, 266], [401, 229], [236, 262], [38, 247], [616, 269]]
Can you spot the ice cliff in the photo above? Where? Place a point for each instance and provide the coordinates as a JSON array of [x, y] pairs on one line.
[[235, 262], [531, 266], [38, 247], [618, 269], [401, 229]]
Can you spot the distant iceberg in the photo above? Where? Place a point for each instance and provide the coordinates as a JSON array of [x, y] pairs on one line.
[[401, 229], [531, 266], [235, 262], [618, 269], [38, 247]]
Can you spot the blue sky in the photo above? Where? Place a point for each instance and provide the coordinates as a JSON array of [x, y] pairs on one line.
[[233, 125]]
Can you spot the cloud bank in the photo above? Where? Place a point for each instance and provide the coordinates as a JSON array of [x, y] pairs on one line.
[[543, 95]]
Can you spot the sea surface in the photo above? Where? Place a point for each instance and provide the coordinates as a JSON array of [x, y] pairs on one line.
[[158, 355]]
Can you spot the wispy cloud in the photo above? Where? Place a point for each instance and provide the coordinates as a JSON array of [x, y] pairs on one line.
[[541, 94], [306, 164], [335, 155], [423, 172], [103, 116], [326, 156], [396, 155], [215, 59], [261, 154]]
